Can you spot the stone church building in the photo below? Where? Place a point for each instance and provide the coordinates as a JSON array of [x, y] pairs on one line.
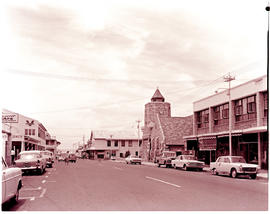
[[161, 131]]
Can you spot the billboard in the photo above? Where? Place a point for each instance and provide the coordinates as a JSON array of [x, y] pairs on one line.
[[10, 118]]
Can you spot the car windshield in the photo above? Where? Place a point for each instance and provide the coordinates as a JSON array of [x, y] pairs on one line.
[[188, 157], [238, 160], [29, 156]]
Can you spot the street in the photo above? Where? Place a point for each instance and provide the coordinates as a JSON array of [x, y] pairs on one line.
[[91, 185]]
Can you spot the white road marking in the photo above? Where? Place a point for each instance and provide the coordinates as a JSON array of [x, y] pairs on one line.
[[43, 181], [165, 182], [118, 168], [31, 198], [46, 176], [43, 192], [30, 189], [49, 173]]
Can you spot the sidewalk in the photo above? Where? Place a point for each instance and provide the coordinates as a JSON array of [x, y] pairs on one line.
[[261, 174]]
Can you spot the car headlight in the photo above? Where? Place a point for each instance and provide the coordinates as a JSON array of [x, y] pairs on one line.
[[240, 168]]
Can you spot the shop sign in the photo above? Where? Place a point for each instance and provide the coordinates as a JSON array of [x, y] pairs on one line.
[[17, 137], [207, 144], [10, 118]]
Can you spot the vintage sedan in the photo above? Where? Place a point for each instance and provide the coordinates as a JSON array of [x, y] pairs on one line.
[[233, 166], [49, 158], [133, 159], [11, 182], [187, 162], [31, 161]]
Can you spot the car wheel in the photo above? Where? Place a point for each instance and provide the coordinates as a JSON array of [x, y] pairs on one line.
[[233, 173], [253, 176], [214, 172], [185, 168]]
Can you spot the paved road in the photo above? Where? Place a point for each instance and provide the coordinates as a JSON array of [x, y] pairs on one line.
[[103, 186]]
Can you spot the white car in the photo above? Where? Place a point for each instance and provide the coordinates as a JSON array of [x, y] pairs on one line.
[[133, 159], [31, 161], [187, 162], [11, 182], [49, 158], [233, 166]]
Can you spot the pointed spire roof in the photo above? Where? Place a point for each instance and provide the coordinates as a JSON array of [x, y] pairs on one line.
[[157, 97]]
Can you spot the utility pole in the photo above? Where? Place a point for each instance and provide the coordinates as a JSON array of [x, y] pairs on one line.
[[229, 78], [138, 127], [268, 9]]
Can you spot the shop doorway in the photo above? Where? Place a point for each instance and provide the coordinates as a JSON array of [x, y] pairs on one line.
[[249, 151]]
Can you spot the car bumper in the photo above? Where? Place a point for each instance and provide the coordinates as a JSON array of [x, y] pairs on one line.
[[31, 168]]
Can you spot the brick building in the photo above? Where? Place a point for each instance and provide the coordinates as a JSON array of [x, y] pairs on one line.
[[161, 131], [249, 120]]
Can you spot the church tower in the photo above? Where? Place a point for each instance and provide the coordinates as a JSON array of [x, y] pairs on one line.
[[156, 106]]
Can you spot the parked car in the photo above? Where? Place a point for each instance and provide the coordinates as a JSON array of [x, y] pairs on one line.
[[49, 158], [187, 162], [133, 159], [233, 166], [113, 158], [166, 158], [31, 161], [11, 182], [72, 157], [61, 158]]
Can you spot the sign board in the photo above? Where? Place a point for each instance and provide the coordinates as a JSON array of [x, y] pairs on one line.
[[207, 144], [10, 118]]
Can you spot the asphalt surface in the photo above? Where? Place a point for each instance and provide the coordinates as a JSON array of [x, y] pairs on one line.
[[89, 185]]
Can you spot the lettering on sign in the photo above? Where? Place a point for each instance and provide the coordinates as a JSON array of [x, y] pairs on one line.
[[10, 118]]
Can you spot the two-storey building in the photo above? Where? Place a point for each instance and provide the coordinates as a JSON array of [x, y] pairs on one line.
[[249, 120], [105, 144], [25, 133]]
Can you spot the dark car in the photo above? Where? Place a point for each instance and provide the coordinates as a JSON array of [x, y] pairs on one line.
[[72, 158]]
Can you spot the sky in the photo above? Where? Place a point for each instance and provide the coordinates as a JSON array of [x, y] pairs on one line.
[[78, 66]]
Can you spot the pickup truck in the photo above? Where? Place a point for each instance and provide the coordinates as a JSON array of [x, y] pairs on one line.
[[11, 182], [233, 166], [166, 158]]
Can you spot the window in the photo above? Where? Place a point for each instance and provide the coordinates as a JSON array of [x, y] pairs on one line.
[[123, 143], [205, 116], [33, 132], [108, 143], [216, 114], [116, 143], [136, 153], [130, 143], [251, 104], [225, 111], [199, 119], [26, 131], [238, 110], [265, 104], [238, 107]]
